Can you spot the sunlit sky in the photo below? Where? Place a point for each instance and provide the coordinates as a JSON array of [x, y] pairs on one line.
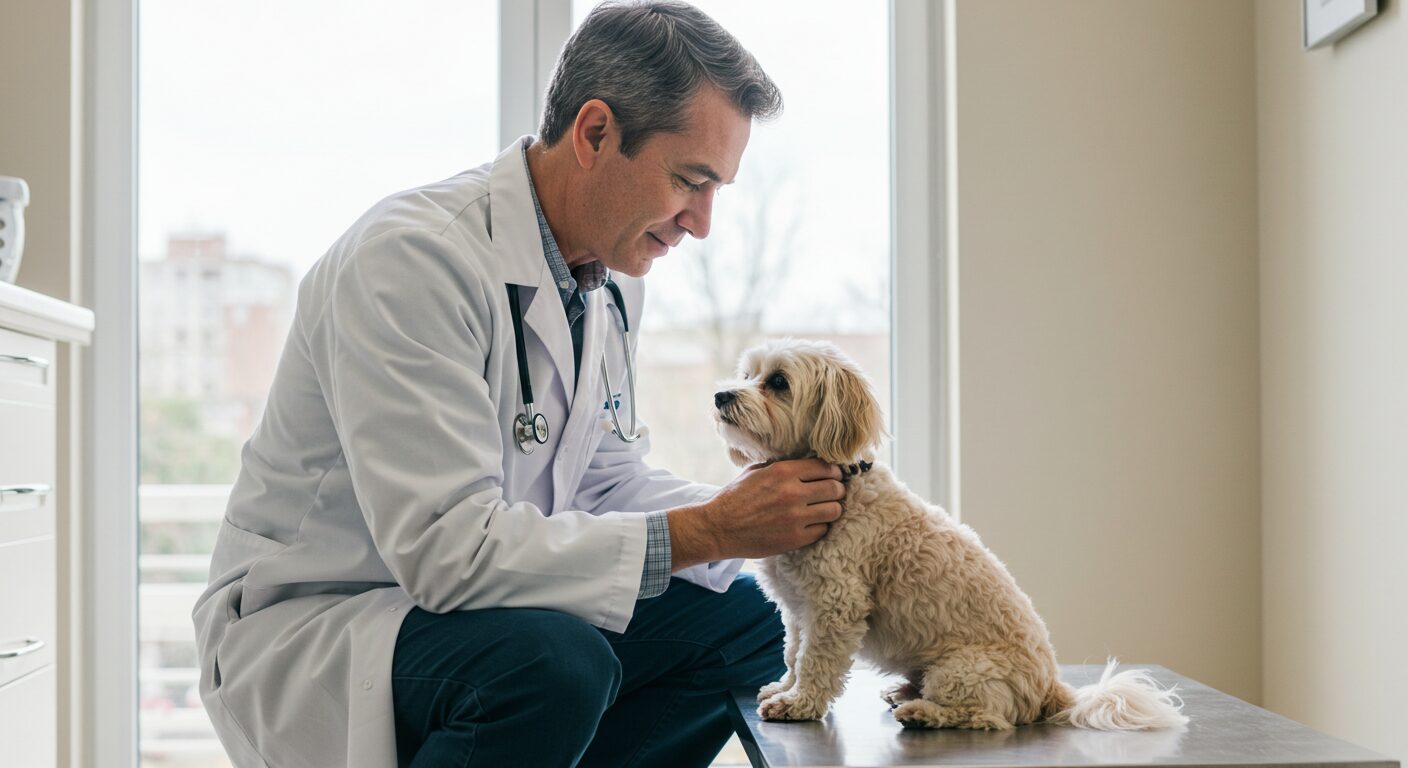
[[279, 123]]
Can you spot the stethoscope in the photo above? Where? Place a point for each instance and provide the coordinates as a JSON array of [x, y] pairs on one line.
[[532, 427]]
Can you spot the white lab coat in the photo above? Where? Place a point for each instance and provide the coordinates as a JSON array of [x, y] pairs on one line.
[[384, 474]]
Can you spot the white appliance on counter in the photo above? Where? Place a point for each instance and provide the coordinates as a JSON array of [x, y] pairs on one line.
[[14, 196]]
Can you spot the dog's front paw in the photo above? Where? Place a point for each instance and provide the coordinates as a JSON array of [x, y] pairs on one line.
[[791, 706], [772, 689]]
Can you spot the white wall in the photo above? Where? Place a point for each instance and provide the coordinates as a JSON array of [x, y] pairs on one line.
[[37, 135], [1333, 146], [1108, 323]]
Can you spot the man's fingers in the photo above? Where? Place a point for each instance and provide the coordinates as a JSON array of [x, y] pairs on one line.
[[809, 470], [824, 490], [825, 512]]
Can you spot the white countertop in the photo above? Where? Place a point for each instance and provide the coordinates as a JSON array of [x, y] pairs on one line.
[[28, 312]]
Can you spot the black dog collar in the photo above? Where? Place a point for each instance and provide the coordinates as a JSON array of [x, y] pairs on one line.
[[849, 471]]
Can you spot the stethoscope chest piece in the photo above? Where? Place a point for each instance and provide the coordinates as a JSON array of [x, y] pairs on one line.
[[530, 428]]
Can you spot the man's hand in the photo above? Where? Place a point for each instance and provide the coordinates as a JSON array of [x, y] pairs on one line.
[[769, 509]]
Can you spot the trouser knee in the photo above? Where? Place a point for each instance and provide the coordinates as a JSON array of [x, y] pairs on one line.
[[766, 622], [573, 665]]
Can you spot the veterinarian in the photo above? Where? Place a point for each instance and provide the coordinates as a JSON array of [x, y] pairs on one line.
[[395, 580]]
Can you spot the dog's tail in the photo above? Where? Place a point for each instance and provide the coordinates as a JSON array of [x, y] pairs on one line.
[[1129, 701]]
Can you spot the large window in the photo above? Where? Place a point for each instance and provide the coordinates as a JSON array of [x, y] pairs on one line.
[[267, 128], [800, 244]]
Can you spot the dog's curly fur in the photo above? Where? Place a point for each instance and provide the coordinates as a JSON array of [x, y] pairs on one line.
[[896, 580]]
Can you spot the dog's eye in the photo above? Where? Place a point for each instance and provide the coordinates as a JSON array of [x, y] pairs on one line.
[[776, 381]]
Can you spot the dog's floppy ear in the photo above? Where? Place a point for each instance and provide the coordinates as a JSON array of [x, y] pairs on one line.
[[849, 420]]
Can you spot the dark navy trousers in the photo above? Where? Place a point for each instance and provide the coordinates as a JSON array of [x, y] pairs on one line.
[[539, 689]]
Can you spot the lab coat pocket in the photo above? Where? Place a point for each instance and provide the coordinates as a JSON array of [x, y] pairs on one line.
[[239, 549]]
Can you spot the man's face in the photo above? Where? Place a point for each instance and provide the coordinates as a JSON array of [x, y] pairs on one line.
[[638, 208]]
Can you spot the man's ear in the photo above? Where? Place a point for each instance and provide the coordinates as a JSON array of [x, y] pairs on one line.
[[591, 130]]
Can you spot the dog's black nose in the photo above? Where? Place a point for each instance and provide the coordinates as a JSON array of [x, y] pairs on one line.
[[723, 398]]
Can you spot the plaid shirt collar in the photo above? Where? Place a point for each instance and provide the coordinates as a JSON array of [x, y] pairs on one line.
[[585, 278]]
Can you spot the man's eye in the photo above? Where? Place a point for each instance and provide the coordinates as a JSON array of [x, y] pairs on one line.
[[776, 381], [688, 185]]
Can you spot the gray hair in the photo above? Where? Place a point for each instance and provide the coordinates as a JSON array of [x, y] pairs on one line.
[[646, 60]]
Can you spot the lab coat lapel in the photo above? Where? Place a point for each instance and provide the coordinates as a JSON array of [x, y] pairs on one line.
[[548, 320], [519, 247]]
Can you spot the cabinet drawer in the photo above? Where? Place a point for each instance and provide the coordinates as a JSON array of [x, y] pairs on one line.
[[27, 599], [29, 720], [27, 471], [27, 373]]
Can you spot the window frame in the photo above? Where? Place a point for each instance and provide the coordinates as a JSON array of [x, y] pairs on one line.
[[103, 692], [924, 266], [103, 697]]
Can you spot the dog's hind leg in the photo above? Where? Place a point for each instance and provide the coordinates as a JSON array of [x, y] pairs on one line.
[[905, 690], [968, 688], [922, 713]]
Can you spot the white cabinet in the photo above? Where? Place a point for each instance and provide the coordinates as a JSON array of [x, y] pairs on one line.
[[23, 702], [29, 599]]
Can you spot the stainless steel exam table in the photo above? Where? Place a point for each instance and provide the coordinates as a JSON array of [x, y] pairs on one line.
[[1223, 731]]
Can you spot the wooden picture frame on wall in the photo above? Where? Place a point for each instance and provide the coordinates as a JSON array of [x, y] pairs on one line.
[[1325, 21]]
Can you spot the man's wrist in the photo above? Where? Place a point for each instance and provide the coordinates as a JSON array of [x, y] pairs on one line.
[[692, 540]]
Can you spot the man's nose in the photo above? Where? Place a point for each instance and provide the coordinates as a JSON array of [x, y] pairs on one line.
[[698, 217], [723, 398]]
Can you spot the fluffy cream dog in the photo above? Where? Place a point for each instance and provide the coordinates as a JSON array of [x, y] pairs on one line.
[[898, 581]]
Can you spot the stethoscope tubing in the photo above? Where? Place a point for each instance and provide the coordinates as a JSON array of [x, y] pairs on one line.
[[524, 384], [529, 426], [532, 427], [634, 434]]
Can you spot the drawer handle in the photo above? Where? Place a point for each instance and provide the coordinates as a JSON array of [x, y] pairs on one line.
[[37, 362], [31, 644], [38, 489]]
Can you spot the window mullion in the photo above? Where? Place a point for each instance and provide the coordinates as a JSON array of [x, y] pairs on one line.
[[530, 36], [924, 291], [106, 632]]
